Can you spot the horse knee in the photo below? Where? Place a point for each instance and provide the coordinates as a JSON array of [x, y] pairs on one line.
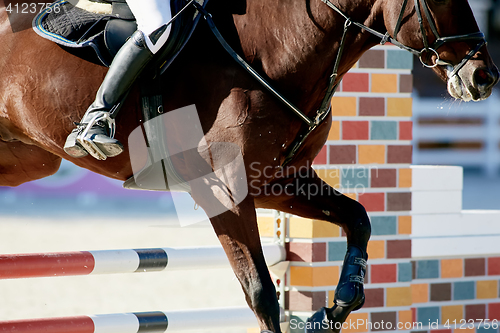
[[264, 301]]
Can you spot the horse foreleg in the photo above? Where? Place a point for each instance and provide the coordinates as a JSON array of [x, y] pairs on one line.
[[21, 163], [308, 196], [238, 233]]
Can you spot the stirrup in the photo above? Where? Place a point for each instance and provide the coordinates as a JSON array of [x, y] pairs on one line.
[[86, 141]]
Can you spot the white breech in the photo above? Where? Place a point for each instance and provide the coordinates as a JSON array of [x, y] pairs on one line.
[[152, 15]]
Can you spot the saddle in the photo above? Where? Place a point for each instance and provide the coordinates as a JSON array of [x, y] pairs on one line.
[[105, 25]]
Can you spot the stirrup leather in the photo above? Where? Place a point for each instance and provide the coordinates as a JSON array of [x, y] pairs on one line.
[[87, 142]]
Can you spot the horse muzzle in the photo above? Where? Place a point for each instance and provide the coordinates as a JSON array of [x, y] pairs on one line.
[[472, 83]]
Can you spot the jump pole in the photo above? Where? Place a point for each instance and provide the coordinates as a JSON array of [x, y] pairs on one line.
[[15, 266], [143, 322]]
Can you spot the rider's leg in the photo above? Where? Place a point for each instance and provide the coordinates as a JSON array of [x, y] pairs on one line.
[[95, 132]]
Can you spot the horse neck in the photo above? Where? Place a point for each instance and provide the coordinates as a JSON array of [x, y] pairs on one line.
[[295, 42]]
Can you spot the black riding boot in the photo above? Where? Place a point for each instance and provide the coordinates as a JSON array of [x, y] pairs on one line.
[[95, 133]]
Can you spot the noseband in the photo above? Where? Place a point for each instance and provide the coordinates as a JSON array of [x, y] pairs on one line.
[[426, 53]]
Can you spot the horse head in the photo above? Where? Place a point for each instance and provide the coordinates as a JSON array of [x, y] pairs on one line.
[[446, 38]]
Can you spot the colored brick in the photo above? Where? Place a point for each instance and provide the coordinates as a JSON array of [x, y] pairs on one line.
[[399, 107], [384, 225], [380, 321], [399, 154], [451, 268], [452, 313], [384, 130], [427, 269], [405, 83], [372, 59], [475, 312], [440, 292], [398, 59], [463, 290], [494, 266], [399, 249], [308, 228], [371, 154], [371, 106], [321, 158], [490, 329], [306, 300], [330, 176], [383, 177], [404, 225], [306, 252], [342, 154], [334, 133], [384, 83], [405, 130], [373, 202], [487, 289], [266, 226], [358, 178], [404, 272], [383, 273], [405, 178], [376, 249], [399, 201], [494, 311], [399, 296], [427, 315], [355, 130], [475, 266], [352, 320], [344, 106], [355, 82], [314, 276], [337, 250], [374, 298], [420, 292], [405, 317]]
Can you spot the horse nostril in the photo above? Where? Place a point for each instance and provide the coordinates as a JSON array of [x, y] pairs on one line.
[[485, 77]]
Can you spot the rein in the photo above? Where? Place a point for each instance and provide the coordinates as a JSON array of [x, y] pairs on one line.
[[325, 107]]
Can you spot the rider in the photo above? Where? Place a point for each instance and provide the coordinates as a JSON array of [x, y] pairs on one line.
[[94, 134]]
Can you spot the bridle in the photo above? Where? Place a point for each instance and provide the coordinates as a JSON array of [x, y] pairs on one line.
[[324, 109], [426, 53]]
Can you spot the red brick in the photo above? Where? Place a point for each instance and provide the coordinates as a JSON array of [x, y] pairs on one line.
[[399, 249], [405, 130], [321, 158], [494, 266], [305, 300], [308, 252], [373, 202], [383, 273], [358, 82], [406, 83], [374, 298], [383, 178], [372, 59], [475, 312], [381, 321], [398, 201], [342, 154], [494, 311], [440, 292], [399, 154], [355, 130], [371, 106], [474, 267]]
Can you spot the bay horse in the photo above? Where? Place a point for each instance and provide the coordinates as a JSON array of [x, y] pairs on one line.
[[294, 45]]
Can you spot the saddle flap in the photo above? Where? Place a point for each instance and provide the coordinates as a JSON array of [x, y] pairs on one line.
[[116, 34]]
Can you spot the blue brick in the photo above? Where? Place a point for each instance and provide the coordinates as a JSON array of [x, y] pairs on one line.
[[464, 290], [399, 59], [404, 272], [355, 178], [336, 250], [384, 225], [428, 315], [493, 327], [427, 269], [384, 130]]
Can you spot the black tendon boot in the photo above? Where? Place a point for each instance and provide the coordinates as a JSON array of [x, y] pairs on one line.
[[95, 132], [349, 294]]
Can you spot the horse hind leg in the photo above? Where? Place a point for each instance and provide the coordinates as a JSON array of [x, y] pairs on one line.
[[308, 196]]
